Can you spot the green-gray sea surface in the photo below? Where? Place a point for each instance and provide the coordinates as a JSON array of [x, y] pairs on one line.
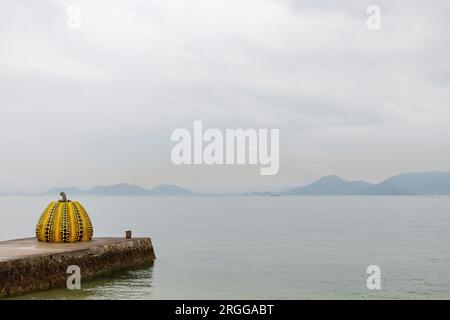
[[237, 247]]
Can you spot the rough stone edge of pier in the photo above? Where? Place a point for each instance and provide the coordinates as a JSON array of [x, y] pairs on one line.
[[49, 271]]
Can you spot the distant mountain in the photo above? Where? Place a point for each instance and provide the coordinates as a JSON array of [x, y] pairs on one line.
[[67, 190], [329, 185], [435, 182], [385, 188], [414, 183], [122, 189], [258, 193], [170, 190], [281, 190]]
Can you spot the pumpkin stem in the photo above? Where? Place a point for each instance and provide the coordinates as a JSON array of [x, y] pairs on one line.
[[63, 195]]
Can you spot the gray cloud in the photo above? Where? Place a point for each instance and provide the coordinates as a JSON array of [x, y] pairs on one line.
[[97, 105]]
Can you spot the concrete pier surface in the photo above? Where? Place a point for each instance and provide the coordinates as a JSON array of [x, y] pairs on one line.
[[27, 265]]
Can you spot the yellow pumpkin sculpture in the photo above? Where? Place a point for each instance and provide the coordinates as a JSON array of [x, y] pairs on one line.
[[64, 221]]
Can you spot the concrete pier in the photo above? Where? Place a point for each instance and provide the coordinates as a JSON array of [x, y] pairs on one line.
[[27, 265]]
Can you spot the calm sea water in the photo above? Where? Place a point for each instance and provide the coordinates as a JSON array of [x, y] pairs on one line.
[[264, 247]]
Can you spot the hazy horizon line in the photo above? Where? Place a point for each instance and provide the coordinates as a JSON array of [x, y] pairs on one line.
[[253, 190]]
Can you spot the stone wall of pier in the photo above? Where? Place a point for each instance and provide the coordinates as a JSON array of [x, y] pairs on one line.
[[44, 272]]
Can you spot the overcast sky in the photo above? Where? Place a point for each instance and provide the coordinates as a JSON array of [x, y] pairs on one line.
[[97, 105]]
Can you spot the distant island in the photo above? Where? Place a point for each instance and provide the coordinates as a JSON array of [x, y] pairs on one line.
[[406, 184], [414, 183], [123, 189]]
